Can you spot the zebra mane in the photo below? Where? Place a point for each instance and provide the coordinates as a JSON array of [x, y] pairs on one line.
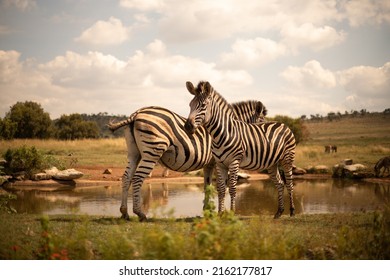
[[259, 105], [202, 90]]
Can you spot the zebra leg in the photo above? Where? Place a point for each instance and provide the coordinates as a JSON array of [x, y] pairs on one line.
[[208, 176], [287, 167], [126, 182], [133, 158], [275, 177], [233, 176], [145, 166], [222, 173]]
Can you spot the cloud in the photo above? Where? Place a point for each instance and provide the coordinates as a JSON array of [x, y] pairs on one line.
[[76, 82], [142, 5], [366, 81], [310, 36], [111, 32], [252, 52], [220, 19], [353, 88], [311, 75], [360, 12], [22, 5]]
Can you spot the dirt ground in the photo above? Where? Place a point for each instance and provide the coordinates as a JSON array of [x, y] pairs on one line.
[[97, 173]]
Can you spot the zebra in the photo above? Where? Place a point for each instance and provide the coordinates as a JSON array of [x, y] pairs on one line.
[[155, 134], [382, 163], [236, 144]]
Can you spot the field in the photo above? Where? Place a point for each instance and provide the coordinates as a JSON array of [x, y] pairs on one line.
[[363, 235]]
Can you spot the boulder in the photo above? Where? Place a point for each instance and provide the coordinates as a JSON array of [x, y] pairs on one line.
[[351, 171], [318, 169], [299, 171], [67, 175], [41, 176], [52, 171], [243, 176]]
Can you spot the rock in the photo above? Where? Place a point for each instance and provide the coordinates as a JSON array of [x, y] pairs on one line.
[[41, 176], [108, 171], [347, 161], [52, 171], [319, 169], [298, 171], [67, 175], [243, 176], [351, 171], [3, 162], [355, 167], [20, 176]]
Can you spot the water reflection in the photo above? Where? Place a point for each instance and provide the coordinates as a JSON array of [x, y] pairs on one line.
[[256, 197]]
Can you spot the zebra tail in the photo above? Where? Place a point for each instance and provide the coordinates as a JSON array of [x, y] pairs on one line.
[[113, 126]]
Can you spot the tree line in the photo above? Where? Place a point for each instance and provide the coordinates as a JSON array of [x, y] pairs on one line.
[[29, 120], [332, 116]]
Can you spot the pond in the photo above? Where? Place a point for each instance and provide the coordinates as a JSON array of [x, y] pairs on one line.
[[186, 200]]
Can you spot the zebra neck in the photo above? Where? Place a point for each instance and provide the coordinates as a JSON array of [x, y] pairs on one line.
[[221, 125]]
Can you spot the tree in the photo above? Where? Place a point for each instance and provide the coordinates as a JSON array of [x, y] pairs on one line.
[[70, 127], [7, 129], [296, 125], [31, 120]]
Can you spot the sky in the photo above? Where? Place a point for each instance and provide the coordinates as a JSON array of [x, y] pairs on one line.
[[298, 57]]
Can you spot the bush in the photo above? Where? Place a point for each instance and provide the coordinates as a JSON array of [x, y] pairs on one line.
[[29, 160]]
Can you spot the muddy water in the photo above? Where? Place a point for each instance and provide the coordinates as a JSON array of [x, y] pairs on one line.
[[178, 200]]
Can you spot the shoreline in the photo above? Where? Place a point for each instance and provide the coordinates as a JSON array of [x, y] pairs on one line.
[[176, 178]]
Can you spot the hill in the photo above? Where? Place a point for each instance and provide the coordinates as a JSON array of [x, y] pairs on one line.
[[363, 138]]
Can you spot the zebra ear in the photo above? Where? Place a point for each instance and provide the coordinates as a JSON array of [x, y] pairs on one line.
[[190, 88], [260, 108], [207, 87]]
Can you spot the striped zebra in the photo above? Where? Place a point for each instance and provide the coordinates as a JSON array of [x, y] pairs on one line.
[[155, 134], [236, 144]]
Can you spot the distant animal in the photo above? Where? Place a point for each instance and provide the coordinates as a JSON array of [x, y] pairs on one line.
[[155, 134], [383, 163], [237, 144], [330, 149]]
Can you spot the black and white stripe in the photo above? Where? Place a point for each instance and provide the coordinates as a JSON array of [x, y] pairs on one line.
[[237, 144], [155, 134]]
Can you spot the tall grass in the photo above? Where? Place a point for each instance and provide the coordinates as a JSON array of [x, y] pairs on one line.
[[87, 152], [326, 236]]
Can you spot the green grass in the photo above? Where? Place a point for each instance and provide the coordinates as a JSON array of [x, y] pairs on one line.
[[325, 236]]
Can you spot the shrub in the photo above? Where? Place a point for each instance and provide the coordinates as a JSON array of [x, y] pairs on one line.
[[27, 159]]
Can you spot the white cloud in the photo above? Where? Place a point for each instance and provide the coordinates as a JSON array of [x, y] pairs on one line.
[[255, 52], [111, 32], [22, 5], [76, 82], [311, 75], [366, 81], [353, 88], [142, 5], [310, 36], [359, 12], [219, 19]]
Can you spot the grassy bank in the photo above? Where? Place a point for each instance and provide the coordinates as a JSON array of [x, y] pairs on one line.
[[363, 139], [325, 236]]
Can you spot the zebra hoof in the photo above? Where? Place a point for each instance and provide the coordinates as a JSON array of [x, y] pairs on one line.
[[142, 217], [278, 214], [292, 212], [125, 217]]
